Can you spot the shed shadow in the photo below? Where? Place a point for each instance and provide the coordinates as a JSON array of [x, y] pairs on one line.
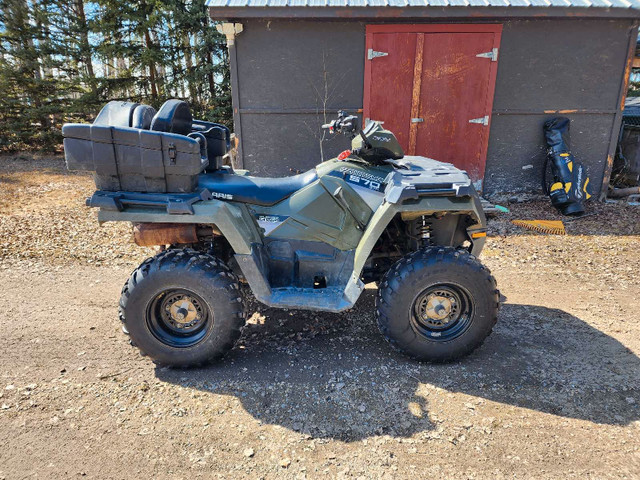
[[333, 376]]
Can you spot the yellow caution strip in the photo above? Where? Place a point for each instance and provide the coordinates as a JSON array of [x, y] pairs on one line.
[[555, 227]]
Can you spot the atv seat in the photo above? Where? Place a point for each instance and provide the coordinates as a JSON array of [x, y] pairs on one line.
[[125, 114], [255, 190], [174, 116]]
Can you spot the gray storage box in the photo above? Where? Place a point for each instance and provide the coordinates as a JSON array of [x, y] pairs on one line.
[[134, 160]]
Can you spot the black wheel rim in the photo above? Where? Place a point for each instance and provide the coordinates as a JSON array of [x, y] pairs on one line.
[[178, 318], [442, 312]]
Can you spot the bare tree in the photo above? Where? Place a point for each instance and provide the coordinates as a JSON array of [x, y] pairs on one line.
[[324, 91]]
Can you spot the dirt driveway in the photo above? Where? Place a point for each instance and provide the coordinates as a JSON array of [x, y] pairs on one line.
[[553, 393]]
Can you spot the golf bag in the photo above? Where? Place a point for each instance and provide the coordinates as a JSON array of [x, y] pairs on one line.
[[570, 186]]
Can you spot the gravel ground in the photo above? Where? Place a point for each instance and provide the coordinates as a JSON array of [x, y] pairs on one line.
[[553, 393]]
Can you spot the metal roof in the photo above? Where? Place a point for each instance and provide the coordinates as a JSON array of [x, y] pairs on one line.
[[629, 4]]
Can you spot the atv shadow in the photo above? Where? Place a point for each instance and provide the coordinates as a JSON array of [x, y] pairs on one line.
[[333, 376]]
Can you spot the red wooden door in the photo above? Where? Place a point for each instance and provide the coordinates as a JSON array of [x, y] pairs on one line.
[[433, 90]]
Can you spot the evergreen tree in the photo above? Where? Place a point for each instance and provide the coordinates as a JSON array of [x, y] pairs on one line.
[[60, 60]]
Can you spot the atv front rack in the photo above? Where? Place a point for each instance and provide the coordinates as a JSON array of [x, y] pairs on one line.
[[415, 180]]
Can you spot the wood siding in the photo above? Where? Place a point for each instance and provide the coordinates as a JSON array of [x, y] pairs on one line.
[[447, 83], [291, 72]]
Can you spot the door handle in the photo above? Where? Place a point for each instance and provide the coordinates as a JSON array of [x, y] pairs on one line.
[[417, 120]]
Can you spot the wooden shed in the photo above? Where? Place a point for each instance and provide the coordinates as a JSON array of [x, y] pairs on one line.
[[463, 81]]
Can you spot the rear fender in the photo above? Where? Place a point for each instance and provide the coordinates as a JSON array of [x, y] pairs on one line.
[[232, 220]]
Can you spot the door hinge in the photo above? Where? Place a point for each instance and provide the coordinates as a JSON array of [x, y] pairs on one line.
[[493, 55], [371, 54], [482, 120]]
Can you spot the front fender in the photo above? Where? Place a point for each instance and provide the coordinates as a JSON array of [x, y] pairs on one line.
[[467, 205]]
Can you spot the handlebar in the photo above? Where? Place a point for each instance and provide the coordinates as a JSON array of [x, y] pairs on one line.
[[343, 124]]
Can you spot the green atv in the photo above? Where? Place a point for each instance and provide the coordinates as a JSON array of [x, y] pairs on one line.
[[412, 225]]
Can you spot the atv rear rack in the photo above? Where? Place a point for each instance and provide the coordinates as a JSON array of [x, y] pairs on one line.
[[172, 203]]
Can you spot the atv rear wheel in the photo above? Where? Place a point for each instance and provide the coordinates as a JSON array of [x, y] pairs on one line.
[[182, 308], [437, 304]]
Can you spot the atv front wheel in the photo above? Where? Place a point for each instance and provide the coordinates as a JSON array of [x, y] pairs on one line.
[[182, 308], [437, 304]]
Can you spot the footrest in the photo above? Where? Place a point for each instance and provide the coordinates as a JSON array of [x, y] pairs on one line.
[[175, 203], [327, 299]]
